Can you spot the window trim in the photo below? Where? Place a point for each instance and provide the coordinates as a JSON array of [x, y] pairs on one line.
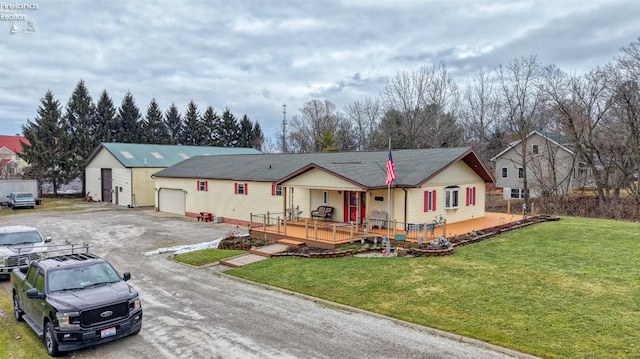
[[452, 197]]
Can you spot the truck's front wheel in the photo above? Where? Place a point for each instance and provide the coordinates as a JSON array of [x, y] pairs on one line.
[[16, 308], [50, 340]]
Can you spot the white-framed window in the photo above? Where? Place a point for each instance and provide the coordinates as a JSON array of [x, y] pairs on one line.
[[534, 149], [241, 188], [325, 197], [504, 172], [451, 195], [520, 172], [276, 190], [517, 193]]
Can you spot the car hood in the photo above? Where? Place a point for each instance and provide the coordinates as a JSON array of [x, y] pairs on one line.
[[23, 248], [92, 297]]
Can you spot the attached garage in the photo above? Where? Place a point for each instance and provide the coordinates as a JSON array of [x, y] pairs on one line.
[[171, 200]]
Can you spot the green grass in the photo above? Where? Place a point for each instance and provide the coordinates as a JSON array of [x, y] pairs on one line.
[[17, 340], [206, 256], [567, 289], [48, 204]]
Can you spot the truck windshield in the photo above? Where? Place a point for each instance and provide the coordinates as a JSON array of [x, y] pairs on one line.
[[8, 239], [78, 278]]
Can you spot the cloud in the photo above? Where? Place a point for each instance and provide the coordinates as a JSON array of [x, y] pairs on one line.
[[253, 56]]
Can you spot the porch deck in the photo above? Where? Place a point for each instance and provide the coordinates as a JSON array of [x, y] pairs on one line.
[[315, 233]]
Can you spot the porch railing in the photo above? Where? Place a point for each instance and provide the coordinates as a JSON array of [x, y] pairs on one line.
[[337, 233]]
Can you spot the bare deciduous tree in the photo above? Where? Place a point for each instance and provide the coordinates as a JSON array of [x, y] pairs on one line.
[[520, 104], [365, 116], [318, 123], [479, 112], [426, 101]]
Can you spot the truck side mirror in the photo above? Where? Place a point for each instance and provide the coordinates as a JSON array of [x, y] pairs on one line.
[[126, 276], [33, 293]]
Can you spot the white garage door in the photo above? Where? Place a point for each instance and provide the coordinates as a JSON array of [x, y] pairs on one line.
[[171, 201]]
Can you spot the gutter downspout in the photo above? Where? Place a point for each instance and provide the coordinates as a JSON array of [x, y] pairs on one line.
[[406, 194]]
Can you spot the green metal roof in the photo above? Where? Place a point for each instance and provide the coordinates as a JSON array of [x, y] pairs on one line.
[[146, 155], [365, 169]]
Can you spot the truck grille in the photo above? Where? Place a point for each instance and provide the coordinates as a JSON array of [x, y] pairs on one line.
[[93, 316], [23, 259]]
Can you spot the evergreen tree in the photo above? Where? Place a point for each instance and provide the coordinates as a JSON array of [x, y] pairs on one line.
[[79, 123], [104, 127], [229, 130], [258, 137], [153, 126], [245, 133], [173, 122], [194, 132], [211, 122], [128, 129], [45, 154]]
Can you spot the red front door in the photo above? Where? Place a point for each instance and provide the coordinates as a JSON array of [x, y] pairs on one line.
[[354, 203]]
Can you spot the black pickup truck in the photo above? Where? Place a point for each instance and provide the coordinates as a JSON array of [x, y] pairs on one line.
[[74, 301]]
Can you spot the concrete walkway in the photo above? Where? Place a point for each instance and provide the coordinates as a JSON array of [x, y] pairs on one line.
[[254, 255]]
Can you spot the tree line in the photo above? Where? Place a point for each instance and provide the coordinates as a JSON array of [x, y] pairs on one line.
[[596, 114], [62, 139]]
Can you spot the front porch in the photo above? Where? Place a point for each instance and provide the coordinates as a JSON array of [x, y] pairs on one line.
[[326, 234]]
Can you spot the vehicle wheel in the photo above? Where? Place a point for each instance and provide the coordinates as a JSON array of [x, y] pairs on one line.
[[136, 331], [50, 340], [16, 308]]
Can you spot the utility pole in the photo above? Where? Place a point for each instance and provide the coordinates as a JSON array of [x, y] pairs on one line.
[[284, 129]]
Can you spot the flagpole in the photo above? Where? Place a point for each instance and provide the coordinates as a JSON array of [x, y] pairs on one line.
[[389, 210]]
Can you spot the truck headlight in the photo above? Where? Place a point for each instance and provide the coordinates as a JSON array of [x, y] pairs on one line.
[[134, 304], [68, 320]]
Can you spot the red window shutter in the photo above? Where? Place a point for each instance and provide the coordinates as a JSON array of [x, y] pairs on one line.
[[468, 200], [206, 185], [235, 188], [273, 190], [433, 199], [246, 189], [426, 201]]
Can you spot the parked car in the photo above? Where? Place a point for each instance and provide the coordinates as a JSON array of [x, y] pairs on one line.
[[21, 200], [74, 301], [20, 245]]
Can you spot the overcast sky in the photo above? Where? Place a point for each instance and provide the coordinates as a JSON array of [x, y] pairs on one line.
[[254, 56]]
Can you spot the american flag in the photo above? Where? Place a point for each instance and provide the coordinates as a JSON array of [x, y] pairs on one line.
[[391, 170]]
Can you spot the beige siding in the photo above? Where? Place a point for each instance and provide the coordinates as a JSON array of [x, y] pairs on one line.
[[143, 186], [122, 184], [458, 174], [221, 200]]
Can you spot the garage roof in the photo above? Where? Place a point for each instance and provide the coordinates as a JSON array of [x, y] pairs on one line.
[[148, 155]]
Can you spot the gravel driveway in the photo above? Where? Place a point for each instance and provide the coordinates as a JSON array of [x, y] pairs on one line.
[[199, 313]]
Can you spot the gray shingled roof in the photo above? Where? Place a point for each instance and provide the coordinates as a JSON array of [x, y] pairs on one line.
[[366, 169], [149, 155]]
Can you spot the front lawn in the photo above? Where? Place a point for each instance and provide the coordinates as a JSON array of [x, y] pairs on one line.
[[566, 289], [206, 256]]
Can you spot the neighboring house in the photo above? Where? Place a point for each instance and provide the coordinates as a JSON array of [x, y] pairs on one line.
[[552, 168], [430, 183], [11, 164], [121, 172]]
